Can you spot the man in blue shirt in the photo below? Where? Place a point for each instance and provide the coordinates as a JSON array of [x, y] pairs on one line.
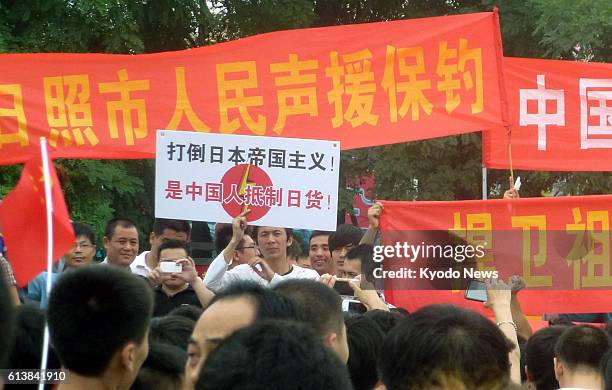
[[81, 253]]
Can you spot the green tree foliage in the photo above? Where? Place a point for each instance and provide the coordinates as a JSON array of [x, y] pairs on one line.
[[446, 168]]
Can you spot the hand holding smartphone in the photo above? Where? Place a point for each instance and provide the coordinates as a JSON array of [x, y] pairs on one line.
[[343, 288], [170, 267]]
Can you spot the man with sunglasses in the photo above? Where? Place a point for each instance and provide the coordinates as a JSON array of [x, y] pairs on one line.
[[244, 250]]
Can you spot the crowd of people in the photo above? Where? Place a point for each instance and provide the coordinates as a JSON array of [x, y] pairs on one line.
[[267, 316]]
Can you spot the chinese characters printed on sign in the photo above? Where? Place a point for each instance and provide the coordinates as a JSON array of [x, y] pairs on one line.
[[254, 195], [595, 111], [350, 78], [587, 257], [270, 157]]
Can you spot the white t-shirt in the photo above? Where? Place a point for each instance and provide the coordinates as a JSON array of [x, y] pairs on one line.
[[218, 277], [139, 265], [576, 388]]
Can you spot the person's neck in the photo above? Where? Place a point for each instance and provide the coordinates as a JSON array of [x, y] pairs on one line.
[[581, 379], [75, 381], [170, 291], [118, 264], [279, 265], [151, 260]]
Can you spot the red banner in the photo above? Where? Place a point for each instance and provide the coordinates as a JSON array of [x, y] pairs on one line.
[[561, 116], [569, 234], [365, 85]]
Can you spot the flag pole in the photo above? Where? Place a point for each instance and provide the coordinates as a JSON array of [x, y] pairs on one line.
[[485, 185], [49, 212]]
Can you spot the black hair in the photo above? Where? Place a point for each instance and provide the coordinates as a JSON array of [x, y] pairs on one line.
[[162, 369], [173, 330], [28, 338], [7, 321], [364, 253], [173, 244], [606, 370], [540, 353], [318, 233], [273, 355], [344, 235], [364, 341], [582, 345], [445, 345], [315, 304], [223, 236], [269, 303], [80, 229], [109, 305], [177, 225], [288, 232], [386, 320], [295, 250], [123, 222], [522, 345], [188, 311]]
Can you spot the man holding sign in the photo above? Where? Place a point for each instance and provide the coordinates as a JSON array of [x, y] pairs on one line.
[[269, 269]]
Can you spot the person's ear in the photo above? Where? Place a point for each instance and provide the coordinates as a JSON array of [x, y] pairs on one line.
[[330, 340], [558, 368], [128, 357], [152, 238], [106, 242], [289, 241]]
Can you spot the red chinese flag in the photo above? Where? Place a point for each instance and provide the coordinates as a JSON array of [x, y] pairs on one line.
[[24, 222]]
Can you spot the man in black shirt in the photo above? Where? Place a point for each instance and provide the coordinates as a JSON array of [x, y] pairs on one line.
[[175, 288]]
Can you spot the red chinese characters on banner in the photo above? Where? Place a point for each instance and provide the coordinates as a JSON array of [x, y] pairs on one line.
[[560, 246], [253, 195], [349, 83], [561, 116]]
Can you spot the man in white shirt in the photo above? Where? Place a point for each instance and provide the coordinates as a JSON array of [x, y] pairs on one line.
[[163, 230], [120, 242], [271, 268]]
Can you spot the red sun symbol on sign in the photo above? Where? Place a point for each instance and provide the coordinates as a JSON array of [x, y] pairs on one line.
[[235, 182]]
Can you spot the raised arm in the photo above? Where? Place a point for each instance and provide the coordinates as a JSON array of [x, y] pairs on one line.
[[498, 299], [217, 276]]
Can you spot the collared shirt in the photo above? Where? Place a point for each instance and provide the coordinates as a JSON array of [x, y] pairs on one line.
[[165, 303], [218, 277], [7, 272], [139, 265], [37, 288]]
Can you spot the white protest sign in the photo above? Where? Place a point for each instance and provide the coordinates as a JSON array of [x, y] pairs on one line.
[[286, 182]]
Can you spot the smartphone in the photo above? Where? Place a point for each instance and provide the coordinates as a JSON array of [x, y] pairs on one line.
[[169, 267], [353, 306], [343, 288], [476, 291]]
